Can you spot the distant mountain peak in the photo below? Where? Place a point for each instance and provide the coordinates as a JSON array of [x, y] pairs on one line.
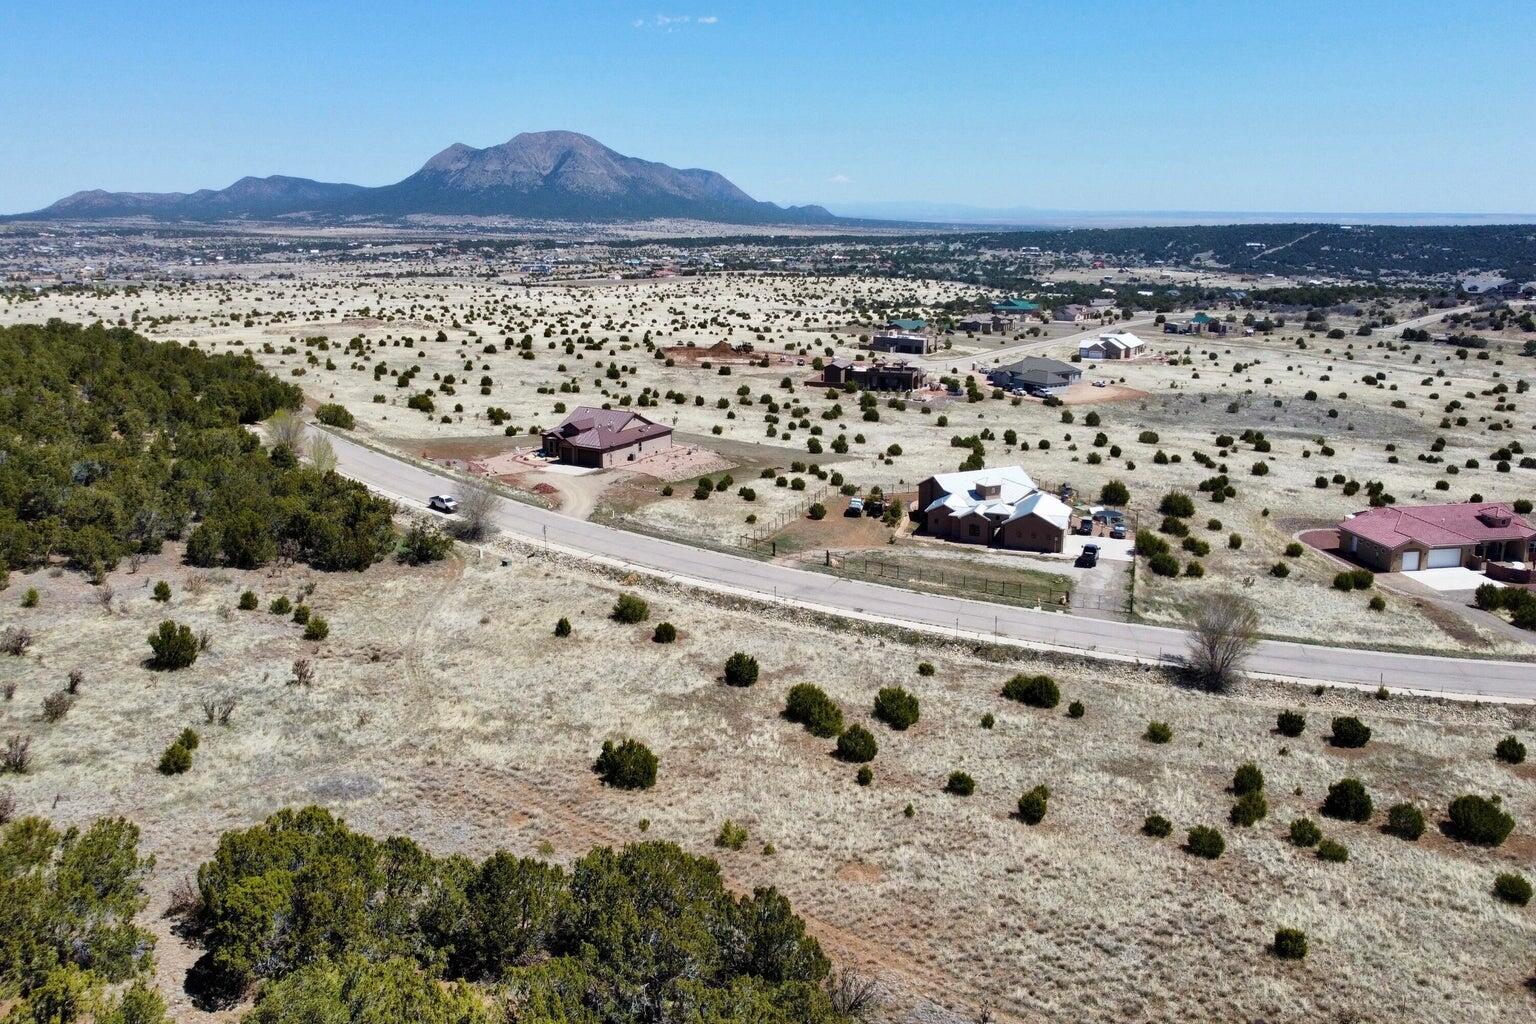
[[556, 175]]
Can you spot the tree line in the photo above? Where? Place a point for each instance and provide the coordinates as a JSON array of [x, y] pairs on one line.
[[112, 444]]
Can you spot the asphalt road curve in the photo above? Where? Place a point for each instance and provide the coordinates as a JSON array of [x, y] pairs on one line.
[[411, 484]]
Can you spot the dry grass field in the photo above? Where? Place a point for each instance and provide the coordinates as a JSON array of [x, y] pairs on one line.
[[442, 706], [1421, 419]]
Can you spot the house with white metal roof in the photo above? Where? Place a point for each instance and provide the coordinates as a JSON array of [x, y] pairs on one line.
[[997, 507]]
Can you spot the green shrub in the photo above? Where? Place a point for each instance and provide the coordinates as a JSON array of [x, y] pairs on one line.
[[896, 708], [1115, 492], [1405, 821], [925, 668], [316, 628], [628, 764], [1304, 832], [301, 613], [280, 606], [809, 705], [1247, 779], [1510, 750], [162, 592], [1250, 809], [1349, 731], [740, 670], [174, 646], [1203, 841], [335, 415], [175, 760], [563, 627], [1290, 943], [1279, 570], [864, 776], [189, 738], [1176, 503], [1478, 820], [1036, 691], [665, 633], [857, 744], [1332, 851], [30, 598], [423, 543], [988, 721], [960, 784], [1512, 888], [1290, 723], [1076, 709], [1033, 805], [1158, 732], [731, 835], [1163, 565], [1347, 800], [630, 609], [248, 601], [1157, 826]]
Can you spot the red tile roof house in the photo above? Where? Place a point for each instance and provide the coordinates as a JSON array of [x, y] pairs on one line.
[[601, 438], [1396, 538]]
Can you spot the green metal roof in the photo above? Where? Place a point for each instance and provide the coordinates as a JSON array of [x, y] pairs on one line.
[[909, 325]]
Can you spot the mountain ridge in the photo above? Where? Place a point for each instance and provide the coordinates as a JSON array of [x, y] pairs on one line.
[[558, 175]]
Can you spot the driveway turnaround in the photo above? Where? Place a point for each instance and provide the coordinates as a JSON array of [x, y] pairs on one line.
[[411, 484]]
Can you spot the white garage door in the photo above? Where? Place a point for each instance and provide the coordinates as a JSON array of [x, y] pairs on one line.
[[1444, 558], [1410, 561]]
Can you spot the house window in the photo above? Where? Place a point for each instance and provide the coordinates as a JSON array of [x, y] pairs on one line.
[[975, 530]]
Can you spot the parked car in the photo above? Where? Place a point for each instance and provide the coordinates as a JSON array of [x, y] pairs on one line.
[[1085, 527], [874, 507], [1117, 532], [1101, 383], [855, 507], [447, 504], [1089, 558]]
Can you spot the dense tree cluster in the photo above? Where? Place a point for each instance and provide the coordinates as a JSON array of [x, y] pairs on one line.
[[67, 903], [111, 444], [646, 933]]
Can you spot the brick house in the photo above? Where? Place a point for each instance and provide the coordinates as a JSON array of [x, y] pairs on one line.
[[1397, 538], [995, 507], [602, 438]]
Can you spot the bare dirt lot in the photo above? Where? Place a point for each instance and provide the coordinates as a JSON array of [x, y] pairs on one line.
[[443, 707]]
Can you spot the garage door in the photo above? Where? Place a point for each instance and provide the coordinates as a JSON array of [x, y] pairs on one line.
[[1410, 561], [1444, 558]]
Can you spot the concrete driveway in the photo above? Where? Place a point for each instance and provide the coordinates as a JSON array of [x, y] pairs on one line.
[[1110, 550], [1450, 580]]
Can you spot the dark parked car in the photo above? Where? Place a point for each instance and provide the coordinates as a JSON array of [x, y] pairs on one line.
[[1089, 558], [1117, 532]]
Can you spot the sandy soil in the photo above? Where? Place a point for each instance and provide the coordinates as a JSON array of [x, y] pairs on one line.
[[444, 708]]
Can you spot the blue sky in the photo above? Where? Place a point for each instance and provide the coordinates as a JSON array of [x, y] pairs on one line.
[[1348, 105]]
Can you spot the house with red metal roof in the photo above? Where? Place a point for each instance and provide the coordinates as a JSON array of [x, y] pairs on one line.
[[1397, 538], [602, 438]]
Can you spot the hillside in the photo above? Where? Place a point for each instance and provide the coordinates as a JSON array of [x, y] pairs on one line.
[[542, 175]]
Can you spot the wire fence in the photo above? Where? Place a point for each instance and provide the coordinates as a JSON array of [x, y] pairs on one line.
[[1025, 591], [766, 529]]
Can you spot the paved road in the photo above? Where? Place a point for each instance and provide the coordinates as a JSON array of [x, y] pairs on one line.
[[411, 483]]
